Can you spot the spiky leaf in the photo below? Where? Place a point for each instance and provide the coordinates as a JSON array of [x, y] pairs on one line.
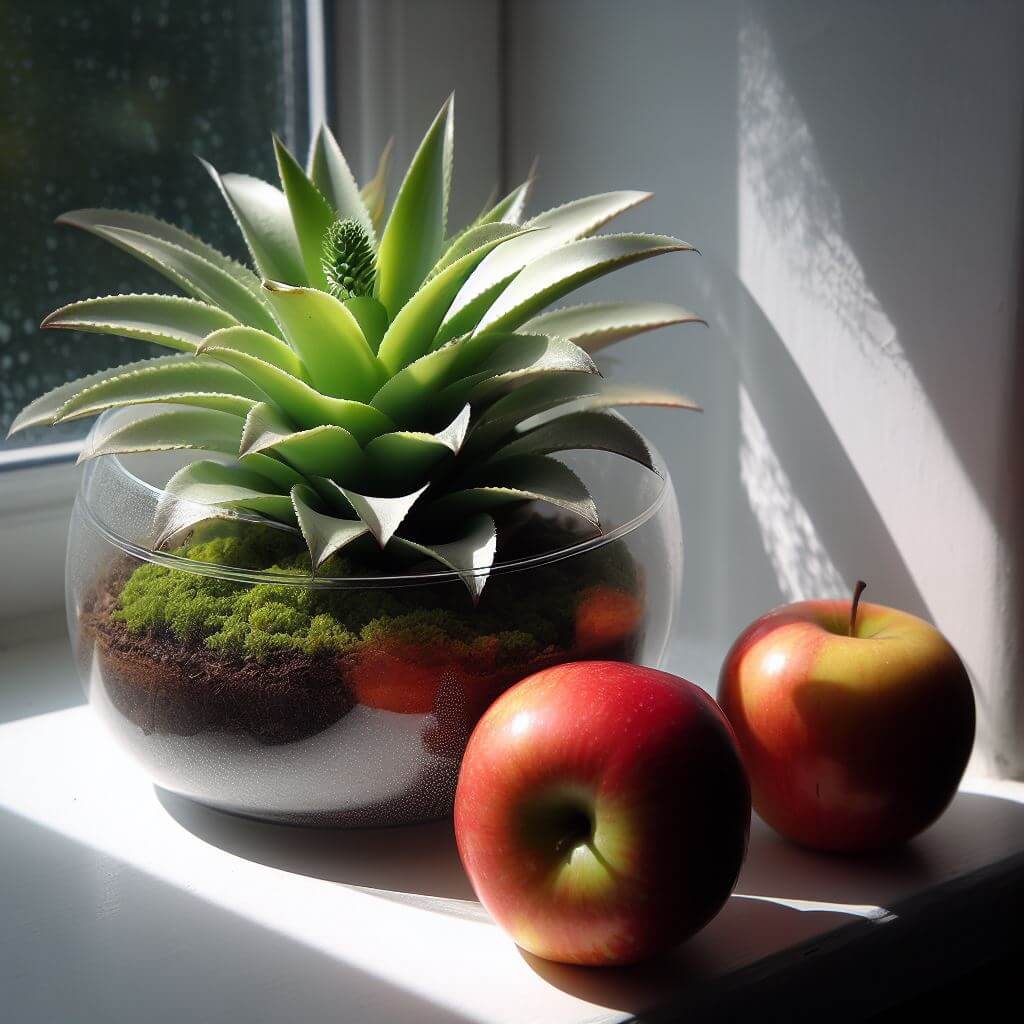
[[43, 411], [372, 318], [328, 451], [305, 405], [324, 534], [596, 431], [550, 231], [568, 268], [558, 395], [383, 516], [510, 209], [311, 213], [329, 341], [406, 456], [167, 320], [412, 331], [198, 381], [331, 174], [471, 555], [256, 343], [523, 478], [155, 431], [224, 486], [375, 192], [599, 324], [92, 219], [264, 218], [470, 239], [414, 236], [193, 274]]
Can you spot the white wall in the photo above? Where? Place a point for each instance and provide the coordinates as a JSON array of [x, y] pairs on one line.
[[852, 175]]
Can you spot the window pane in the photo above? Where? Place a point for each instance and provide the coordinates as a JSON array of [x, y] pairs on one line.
[[107, 104]]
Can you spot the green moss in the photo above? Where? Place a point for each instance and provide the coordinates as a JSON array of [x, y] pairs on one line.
[[520, 614]]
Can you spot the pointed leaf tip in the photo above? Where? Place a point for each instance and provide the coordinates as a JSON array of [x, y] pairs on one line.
[[383, 516], [324, 534], [471, 556]]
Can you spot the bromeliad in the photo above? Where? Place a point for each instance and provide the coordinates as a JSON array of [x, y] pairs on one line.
[[370, 376]]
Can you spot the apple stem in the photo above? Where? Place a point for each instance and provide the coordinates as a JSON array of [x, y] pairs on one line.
[[855, 604]]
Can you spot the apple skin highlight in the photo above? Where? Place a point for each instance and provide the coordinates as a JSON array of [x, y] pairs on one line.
[[602, 812], [852, 743]]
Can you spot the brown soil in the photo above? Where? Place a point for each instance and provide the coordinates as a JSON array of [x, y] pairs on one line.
[[168, 686]]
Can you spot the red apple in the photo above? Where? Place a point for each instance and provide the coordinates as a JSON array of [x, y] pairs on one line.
[[602, 811], [855, 721]]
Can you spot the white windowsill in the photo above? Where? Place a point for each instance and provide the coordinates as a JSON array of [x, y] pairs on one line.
[[124, 904], [35, 509]]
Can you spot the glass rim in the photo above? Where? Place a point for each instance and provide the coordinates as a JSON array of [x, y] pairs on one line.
[[146, 553]]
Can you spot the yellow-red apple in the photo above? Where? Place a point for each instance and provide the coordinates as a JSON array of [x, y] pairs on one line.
[[855, 721], [602, 812]]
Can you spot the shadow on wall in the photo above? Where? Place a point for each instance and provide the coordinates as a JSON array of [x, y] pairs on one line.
[[793, 468], [854, 169], [873, 192]]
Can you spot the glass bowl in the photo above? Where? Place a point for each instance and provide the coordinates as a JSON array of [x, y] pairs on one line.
[[190, 665]]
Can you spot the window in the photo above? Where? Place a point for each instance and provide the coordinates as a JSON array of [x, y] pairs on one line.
[[108, 104]]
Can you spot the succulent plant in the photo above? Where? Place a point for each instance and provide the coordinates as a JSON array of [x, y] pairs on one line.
[[369, 376]]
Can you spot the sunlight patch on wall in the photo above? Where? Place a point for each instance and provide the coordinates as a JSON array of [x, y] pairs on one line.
[[801, 563], [796, 261]]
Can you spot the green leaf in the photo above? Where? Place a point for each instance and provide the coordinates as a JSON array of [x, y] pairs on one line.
[[599, 324], [325, 535], [43, 411], [471, 556], [178, 518], [90, 220], [303, 404], [551, 230], [193, 274], [595, 431], [195, 382], [168, 320], [409, 396], [204, 429], [510, 209], [516, 358], [472, 238], [224, 486], [568, 268], [406, 456], [264, 217], [328, 450], [311, 213], [383, 516], [372, 318], [412, 240], [333, 496], [412, 331], [566, 393], [279, 473], [524, 478], [406, 397], [255, 343], [328, 339], [331, 174], [522, 355], [375, 192]]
